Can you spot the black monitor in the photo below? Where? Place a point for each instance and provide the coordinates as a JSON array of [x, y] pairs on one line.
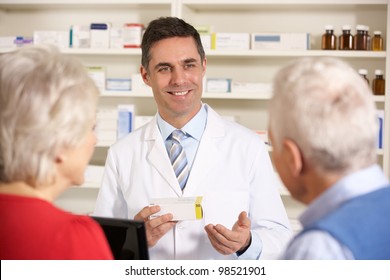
[[127, 238]]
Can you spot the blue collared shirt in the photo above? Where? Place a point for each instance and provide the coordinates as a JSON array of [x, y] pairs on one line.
[[318, 244], [194, 129]]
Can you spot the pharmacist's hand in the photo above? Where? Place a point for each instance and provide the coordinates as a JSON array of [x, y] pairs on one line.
[[227, 241], [156, 227]]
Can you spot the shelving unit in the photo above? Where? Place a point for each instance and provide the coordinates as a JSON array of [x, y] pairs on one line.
[[250, 16], [22, 17], [284, 16]]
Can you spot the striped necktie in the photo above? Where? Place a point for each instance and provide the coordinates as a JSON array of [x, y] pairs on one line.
[[178, 158]]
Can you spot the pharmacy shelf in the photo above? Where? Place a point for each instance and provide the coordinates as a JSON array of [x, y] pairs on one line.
[[295, 53], [110, 52], [282, 189], [206, 95], [289, 16], [237, 95], [96, 185], [212, 95], [379, 152], [106, 144], [89, 186], [232, 53], [281, 16], [125, 93], [206, 4], [62, 4], [250, 5], [89, 51], [379, 98]]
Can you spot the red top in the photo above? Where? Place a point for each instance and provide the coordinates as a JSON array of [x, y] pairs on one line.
[[32, 228]]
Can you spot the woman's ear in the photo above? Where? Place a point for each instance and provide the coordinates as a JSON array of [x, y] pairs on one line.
[[293, 157]]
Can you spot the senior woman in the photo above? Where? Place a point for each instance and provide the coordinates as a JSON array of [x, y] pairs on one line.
[[47, 116]]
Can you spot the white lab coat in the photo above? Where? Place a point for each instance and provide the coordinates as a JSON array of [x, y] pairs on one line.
[[231, 170]]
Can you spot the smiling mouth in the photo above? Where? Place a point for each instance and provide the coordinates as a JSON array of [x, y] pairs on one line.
[[179, 93]]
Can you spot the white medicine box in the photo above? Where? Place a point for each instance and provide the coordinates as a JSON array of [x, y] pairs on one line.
[[230, 41], [280, 41], [100, 35]]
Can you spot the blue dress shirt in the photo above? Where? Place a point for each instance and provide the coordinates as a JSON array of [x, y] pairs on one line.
[[317, 244], [194, 130]]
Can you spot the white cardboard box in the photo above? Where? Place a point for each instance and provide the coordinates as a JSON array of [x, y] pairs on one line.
[[230, 41], [125, 119], [138, 85], [106, 136], [61, 39], [206, 41], [100, 35], [218, 85], [116, 38], [93, 176], [242, 87], [141, 120], [98, 75], [280, 41], [118, 84], [81, 37], [182, 208], [7, 41]]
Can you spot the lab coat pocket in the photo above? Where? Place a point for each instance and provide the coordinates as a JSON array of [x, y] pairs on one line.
[[224, 207]]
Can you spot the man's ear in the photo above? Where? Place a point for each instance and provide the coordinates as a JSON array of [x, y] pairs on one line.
[[144, 75], [293, 157], [60, 157], [204, 63]]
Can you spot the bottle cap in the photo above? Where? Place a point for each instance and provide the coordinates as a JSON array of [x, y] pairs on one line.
[[362, 71], [377, 32], [359, 27], [378, 72], [346, 27], [329, 27]]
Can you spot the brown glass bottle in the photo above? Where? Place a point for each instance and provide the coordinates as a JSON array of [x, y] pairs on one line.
[[329, 40], [359, 40], [367, 37], [346, 39], [377, 41], [363, 73], [378, 84]]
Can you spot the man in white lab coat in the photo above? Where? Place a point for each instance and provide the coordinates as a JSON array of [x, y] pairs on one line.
[[228, 164]]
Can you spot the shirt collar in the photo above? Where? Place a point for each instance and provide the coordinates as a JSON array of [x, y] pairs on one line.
[[194, 127], [358, 183]]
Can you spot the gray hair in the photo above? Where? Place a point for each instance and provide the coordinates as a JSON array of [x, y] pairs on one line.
[[327, 109], [47, 102]]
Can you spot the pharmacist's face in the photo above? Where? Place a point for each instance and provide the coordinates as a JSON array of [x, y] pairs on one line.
[[175, 75]]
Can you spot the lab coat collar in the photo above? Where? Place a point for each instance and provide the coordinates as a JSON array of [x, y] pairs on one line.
[[158, 157], [206, 156]]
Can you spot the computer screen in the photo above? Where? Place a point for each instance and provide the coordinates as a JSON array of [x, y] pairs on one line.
[[127, 238]]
